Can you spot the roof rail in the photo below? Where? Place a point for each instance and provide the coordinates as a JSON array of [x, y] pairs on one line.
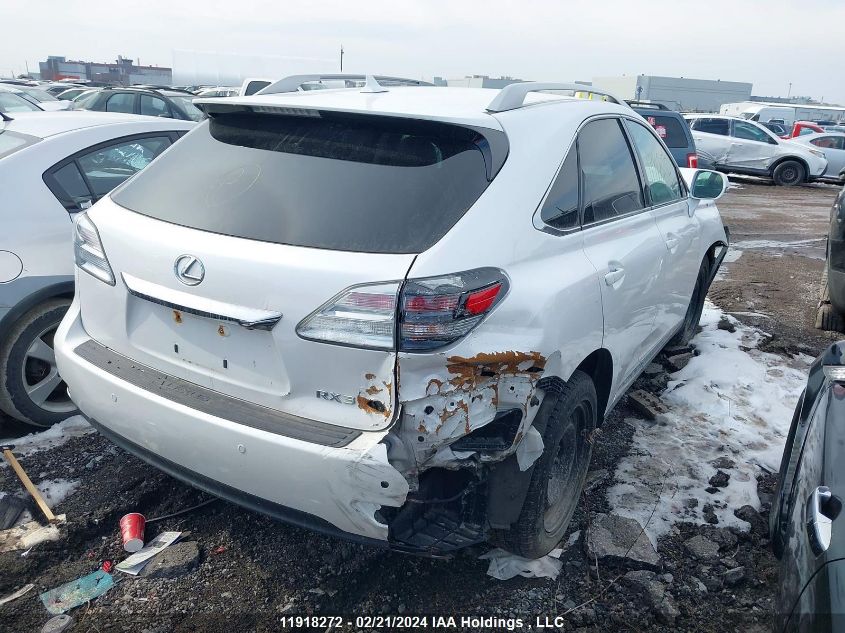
[[292, 83], [513, 96], [646, 104]]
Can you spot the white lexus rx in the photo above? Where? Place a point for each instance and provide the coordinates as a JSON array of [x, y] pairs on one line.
[[393, 314]]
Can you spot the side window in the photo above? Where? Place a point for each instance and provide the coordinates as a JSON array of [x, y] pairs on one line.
[[69, 187], [711, 126], [608, 176], [661, 178], [121, 102], [560, 210], [750, 132], [107, 167], [153, 106]]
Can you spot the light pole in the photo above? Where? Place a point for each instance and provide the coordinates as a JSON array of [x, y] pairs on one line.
[[789, 94], [341, 58]]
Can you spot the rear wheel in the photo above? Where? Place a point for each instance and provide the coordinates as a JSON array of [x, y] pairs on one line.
[[559, 472], [31, 389], [789, 173], [696, 306]]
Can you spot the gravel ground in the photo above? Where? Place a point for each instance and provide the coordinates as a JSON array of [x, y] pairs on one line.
[[251, 572]]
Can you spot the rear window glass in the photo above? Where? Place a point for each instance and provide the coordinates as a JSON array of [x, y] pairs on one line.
[[326, 180], [11, 142], [670, 129]]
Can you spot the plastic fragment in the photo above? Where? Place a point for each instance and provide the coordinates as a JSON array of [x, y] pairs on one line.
[[504, 565], [77, 592]]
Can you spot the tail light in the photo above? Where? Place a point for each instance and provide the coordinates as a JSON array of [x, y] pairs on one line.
[[692, 161], [431, 312], [88, 250]]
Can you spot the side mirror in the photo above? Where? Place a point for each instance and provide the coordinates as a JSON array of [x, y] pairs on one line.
[[708, 185]]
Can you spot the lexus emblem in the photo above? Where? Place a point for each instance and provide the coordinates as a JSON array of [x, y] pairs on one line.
[[189, 270]]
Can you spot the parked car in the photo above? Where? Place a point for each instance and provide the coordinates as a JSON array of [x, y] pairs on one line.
[[71, 93], [833, 146], [744, 147], [42, 99], [56, 89], [251, 85], [777, 128], [806, 520], [244, 322], [673, 129], [52, 166], [11, 102], [835, 260], [220, 91], [800, 128], [172, 104]]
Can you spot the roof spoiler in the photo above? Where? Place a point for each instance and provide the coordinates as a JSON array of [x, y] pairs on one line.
[[513, 96], [372, 82]]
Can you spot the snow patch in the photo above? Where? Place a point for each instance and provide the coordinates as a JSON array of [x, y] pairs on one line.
[[57, 490], [732, 401], [56, 435]]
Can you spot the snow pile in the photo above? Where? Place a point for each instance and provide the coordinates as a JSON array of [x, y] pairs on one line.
[[56, 435], [57, 490], [730, 407]]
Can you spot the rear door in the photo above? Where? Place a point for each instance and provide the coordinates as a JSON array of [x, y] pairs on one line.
[[622, 241], [666, 196], [712, 137], [219, 261]]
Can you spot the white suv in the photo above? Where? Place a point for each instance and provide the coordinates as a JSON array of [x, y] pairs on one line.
[[396, 315], [744, 147]]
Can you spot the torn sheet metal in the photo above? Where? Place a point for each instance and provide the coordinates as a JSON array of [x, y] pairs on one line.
[[77, 592], [504, 565], [462, 394], [529, 449]]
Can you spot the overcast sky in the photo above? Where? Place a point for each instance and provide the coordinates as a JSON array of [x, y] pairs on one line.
[[767, 42]]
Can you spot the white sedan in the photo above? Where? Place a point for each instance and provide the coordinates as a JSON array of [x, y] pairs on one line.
[[52, 166], [833, 146]]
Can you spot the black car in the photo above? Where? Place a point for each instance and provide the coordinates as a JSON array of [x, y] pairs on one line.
[[174, 104], [806, 522], [831, 314], [675, 132]]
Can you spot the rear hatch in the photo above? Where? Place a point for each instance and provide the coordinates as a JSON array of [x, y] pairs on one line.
[[225, 245]]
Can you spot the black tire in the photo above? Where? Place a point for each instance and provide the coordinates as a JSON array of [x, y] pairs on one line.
[[789, 173], [559, 473], [696, 306], [27, 361]]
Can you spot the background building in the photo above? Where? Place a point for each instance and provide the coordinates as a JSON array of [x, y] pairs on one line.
[[679, 93], [122, 72], [476, 81]]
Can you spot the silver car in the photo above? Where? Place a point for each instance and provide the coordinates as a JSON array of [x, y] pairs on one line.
[[833, 146]]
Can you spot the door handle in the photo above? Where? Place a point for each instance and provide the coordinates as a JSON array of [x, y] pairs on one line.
[[819, 525], [672, 241], [616, 274]]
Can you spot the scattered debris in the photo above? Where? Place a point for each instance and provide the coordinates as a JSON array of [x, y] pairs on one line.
[[17, 594], [720, 479], [702, 548], [176, 560], [107, 566], [595, 478], [30, 534], [77, 592], [620, 538], [26, 481], [135, 563], [646, 404], [645, 584], [132, 531], [725, 324], [679, 361], [504, 565], [734, 576], [57, 624]]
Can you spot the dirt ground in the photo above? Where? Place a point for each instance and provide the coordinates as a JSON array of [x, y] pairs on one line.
[[252, 572]]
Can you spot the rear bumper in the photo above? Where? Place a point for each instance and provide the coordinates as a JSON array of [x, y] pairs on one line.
[[328, 488]]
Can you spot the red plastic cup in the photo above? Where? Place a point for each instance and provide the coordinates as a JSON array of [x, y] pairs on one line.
[[132, 531]]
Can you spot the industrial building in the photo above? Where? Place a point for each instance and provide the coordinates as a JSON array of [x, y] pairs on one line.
[[678, 93], [122, 72], [476, 81]]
